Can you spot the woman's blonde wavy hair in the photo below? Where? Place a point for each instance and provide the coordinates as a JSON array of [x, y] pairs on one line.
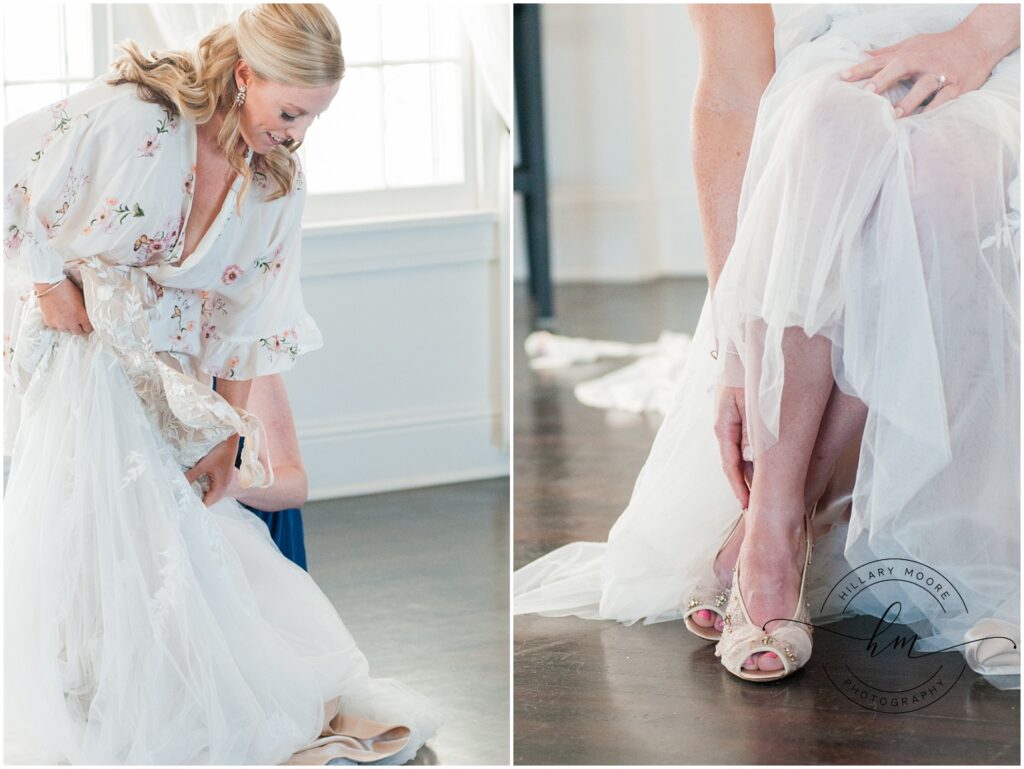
[[294, 44]]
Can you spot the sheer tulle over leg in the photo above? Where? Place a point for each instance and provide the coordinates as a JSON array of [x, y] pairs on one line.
[[897, 240]]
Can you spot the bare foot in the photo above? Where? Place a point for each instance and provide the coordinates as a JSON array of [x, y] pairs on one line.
[[723, 571], [771, 566]]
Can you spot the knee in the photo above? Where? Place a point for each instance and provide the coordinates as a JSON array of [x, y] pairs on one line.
[[838, 121], [958, 174]]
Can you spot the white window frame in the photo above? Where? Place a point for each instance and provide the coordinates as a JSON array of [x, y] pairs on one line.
[[356, 206], [103, 44], [433, 199]]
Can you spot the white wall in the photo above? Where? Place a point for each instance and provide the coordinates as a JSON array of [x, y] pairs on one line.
[[403, 392], [619, 81]]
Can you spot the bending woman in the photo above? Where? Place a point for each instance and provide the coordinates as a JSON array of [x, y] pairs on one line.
[[158, 216], [858, 355]]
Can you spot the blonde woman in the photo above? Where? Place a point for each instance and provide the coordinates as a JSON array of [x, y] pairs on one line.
[[153, 224]]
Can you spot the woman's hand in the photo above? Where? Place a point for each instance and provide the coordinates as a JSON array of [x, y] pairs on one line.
[[733, 441], [218, 466], [965, 56], [63, 308]]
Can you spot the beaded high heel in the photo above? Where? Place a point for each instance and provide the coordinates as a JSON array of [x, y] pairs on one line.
[[741, 639], [712, 597]]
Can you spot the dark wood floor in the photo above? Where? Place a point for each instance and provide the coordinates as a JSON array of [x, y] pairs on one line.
[[420, 578], [601, 693]]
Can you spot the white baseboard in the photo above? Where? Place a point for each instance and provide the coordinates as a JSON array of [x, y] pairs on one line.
[[410, 482], [395, 451]]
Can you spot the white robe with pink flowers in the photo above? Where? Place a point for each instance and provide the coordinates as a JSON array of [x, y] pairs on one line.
[[142, 627]]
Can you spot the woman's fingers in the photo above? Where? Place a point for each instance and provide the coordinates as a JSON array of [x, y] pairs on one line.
[[197, 469], [947, 93], [212, 488], [732, 463], [214, 494], [729, 431], [888, 76], [864, 69], [886, 49], [923, 88]]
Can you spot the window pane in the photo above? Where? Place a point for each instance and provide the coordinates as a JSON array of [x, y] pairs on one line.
[[407, 125], [23, 99], [360, 31], [79, 40], [345, 145], [32, 48], [406, 32], [448, 122], [446, 31], [397, 125]]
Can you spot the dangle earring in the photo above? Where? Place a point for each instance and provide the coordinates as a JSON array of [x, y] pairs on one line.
[[240, 98]]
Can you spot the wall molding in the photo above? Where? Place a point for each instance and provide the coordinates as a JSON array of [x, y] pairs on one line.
[[398, 244], [392, 421], [401, 450]]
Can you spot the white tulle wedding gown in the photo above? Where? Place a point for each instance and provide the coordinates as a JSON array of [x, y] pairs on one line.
[[140, 626], [897, 239]]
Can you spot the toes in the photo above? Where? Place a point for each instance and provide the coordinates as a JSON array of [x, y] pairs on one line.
[[719, 624], [766, 661], [769, 661], [704, 617]]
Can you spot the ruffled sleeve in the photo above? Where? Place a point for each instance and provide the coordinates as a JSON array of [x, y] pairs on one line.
[[254, 322], [52, 164]]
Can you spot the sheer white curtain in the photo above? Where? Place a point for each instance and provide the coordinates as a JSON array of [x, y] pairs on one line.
[[169, 25], [489, 29]]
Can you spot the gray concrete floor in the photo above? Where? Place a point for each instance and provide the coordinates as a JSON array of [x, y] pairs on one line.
[[601, 693], [420, 578]]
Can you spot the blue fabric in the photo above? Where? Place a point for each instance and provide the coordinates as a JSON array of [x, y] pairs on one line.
[[286, 529]]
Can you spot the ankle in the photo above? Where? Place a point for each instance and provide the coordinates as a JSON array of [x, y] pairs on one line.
[[778, 498], [777, 524]]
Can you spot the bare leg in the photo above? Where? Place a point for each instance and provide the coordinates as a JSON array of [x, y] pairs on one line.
[[771, 556], [842, 424]]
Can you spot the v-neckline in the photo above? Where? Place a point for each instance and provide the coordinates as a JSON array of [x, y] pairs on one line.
[[217, 224]]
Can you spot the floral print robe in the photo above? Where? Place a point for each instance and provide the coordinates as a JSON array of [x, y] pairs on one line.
[[104, 175]]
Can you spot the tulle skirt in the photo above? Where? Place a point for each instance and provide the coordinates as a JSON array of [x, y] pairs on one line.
[[897, 240], [141, 626]]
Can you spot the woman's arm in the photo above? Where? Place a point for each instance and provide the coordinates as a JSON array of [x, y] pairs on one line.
[[737, 59], [268, 400], [736, 44]]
